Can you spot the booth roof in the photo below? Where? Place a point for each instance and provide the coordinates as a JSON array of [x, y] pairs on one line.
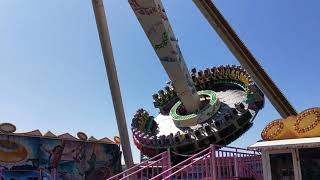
[[50, 135], [286, 144]]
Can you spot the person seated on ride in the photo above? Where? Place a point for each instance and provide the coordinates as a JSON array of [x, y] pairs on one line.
[[171, 85], [233, 112], [137, 120], [244, 78], [213, 76], [154, 126], [145, 115], [239, 68], [214, 73], [163, 140], [227, 72], [142, 120], [134, 123], [155, 100], [154, 140], [136, 115], [198, 133], [159, 142], [177, 137], [169, 139], [221, 71], [169, 92], [233, 72], [227, 116], [240, 107], [194, 71], [195, 81], [187, 136], [201, 79], [162, 99], [208, 129], [218, 122], [140, 111], [207, 78]]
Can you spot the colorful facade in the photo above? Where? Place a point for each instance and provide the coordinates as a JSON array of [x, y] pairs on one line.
[[32, 156]]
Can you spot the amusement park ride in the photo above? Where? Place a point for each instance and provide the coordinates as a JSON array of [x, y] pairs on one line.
[[200, 111], [202, 107], [211, 106]]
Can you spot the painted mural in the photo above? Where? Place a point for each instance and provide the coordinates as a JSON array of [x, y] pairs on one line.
[[52, 158]]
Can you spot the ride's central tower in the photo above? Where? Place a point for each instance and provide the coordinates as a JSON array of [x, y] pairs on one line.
[[213, 106], [155, 24]]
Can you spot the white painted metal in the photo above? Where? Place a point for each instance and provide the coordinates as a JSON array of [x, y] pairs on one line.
[[298, 163], [296, 168], [287, 143], [265, 169], [106, 47], [284, 146], [155, 23]]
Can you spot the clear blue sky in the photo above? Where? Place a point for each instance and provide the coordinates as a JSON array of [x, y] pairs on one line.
[[52, 74]]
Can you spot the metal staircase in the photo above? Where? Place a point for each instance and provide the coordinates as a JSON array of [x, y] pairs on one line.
[[213, 163], [147, 169]]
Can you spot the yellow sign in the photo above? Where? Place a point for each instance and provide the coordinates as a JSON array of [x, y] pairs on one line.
[[305, 124], [117, 139]]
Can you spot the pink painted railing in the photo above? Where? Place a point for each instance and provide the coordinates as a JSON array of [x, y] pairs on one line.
[[197, 166], [146, 169], [230, 162], [217, 163], [213, 163]]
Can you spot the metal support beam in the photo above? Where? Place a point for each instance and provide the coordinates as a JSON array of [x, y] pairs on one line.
[[102, 26], [156, 25], [245, 58]]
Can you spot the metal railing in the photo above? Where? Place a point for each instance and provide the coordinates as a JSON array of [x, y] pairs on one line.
[[231, 162], [146, 169], [214, 163], [197, 166], [217, 163]]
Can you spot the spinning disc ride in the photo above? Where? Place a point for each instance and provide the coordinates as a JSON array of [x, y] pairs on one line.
[[211, 106], [229, 101], [215, 105]]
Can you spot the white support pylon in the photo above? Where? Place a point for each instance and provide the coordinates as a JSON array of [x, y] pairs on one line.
[[107, 52], [155, 24]]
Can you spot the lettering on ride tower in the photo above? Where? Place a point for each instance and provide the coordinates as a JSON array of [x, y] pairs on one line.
[[153, 28], [154, 22], [164, 41]]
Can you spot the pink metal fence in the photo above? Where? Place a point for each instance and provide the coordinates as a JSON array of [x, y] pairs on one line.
[[197, 166], [146, 169], [230, 162], [214, 163], [217, 163]]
